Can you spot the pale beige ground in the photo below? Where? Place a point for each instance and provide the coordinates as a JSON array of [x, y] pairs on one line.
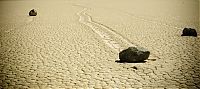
[[74, 44]]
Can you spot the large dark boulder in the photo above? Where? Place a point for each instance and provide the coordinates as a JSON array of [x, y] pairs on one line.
[[33, 12], [189, 32], [134, 54]]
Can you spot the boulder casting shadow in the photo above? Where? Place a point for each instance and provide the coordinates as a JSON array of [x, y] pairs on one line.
[[33, 12], [133, 55], [189, 32]]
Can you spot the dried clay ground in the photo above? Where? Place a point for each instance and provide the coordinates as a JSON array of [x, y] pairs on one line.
[[75, 44]]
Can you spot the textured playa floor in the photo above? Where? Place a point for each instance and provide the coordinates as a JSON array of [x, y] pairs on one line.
[[75, 43]]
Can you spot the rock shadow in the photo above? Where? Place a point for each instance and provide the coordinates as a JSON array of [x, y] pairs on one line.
[[118, 61]]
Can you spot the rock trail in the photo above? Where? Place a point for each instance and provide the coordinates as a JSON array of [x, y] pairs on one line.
[[111, 38], [58, 51]]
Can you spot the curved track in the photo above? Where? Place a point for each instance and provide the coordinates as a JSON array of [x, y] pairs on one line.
[[112, 39]]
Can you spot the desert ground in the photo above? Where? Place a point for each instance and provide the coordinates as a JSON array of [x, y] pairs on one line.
[[75, 44]]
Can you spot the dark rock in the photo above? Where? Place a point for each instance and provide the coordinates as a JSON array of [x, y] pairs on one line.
[[33, 12], [189, 32], [134, 67], [133, 54]]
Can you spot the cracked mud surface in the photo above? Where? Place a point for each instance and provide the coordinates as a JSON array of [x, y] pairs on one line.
[[67, 46]]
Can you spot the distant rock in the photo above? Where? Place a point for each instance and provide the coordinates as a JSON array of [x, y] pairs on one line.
[[33, 12], [189, 32], [133, 54]]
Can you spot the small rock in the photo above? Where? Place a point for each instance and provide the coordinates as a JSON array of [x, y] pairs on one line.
[[33, 12], [134, 67], [133, 54], [189, 32]]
